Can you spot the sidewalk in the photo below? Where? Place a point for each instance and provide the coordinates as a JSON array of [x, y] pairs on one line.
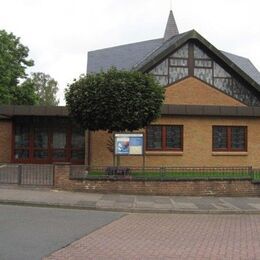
[[128, 203]]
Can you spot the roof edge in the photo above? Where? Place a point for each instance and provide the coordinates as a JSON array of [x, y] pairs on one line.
[[8, 111], [207, 110], [23, 110]]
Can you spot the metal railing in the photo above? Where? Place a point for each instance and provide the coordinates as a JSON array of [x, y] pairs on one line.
[[9, 174], [81, 172], [256, 175], [43, 175], [27, 174]]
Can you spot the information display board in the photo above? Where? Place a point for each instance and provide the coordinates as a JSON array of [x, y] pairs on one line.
[[129, 144]]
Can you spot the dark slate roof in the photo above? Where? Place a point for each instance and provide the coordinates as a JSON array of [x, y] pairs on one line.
[[244, 64], [137, 55], [152, 57], [171, 27], [121, 57]]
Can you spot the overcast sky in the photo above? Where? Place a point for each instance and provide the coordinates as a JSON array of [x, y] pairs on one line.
[[59, 33]]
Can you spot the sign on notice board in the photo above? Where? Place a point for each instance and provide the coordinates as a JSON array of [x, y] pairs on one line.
[[129, 144]]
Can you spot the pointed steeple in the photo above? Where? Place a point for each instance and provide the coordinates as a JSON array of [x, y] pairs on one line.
[[171, 27]]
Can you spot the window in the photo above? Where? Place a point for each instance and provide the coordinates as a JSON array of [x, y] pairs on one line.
[[21, 142], [47, 140], [173, 68], [78, 144], [41, 138], [229, 138], [59, 144], [168, 137]]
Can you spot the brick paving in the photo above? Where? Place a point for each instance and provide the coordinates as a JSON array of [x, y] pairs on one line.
[[170, 236]]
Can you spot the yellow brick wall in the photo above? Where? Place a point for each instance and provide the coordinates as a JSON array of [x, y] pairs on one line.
[[197, 133], [192, 91], [99, 154], [5, 141], [197, 146]]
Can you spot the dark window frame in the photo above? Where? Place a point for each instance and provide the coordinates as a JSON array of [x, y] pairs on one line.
[[164, 139], [229, 139], [52, 126]]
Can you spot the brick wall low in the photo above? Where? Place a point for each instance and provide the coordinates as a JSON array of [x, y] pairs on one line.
[[189, 188]]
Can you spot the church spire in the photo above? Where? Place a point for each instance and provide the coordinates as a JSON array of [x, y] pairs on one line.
[[171, 27]]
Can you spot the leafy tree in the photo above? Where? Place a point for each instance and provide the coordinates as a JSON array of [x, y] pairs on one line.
[[115, 100], [13, 63], [24, 94], [45, 88]]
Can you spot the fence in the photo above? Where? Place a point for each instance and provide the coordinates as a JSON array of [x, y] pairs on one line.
[[81, 172], [256, 176], [43, 175], [9, 174], [27, 174]]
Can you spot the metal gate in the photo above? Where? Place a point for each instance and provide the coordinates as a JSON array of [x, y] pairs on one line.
[[27, 174]]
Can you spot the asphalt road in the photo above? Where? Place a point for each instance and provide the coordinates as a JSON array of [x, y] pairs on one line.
[[31, 233]]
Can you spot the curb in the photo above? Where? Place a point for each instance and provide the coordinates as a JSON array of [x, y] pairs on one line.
[[129, 210]]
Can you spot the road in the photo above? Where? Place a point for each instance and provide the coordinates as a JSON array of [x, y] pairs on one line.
[[31, 233]]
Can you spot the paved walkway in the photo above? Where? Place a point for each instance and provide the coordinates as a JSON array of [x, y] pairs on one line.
[[128, 203], [170, 236]]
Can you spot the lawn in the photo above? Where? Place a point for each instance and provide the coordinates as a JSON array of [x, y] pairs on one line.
[[171, 175], [256, 176]]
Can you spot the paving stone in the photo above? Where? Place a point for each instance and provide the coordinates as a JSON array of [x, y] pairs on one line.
[[224, 205], [255, 205], [144, 199], [84, 203], [162, 200], [122, 205], [143, 205], [170, 236], [105, 204], [163, 206], [183, 205], [110, 197], [241, 203], [123, 198]]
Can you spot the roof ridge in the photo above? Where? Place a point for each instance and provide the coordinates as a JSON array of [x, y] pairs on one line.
[[165, 42]]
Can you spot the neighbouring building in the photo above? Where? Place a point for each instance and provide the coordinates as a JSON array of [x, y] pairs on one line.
[[210, 117]]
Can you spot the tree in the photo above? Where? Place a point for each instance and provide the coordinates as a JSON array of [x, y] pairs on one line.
[[115, 100], [24, 94], [13, 63], [45, 88]]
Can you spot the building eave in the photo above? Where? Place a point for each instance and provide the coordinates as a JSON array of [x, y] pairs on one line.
[[8, 111], [206, 110]]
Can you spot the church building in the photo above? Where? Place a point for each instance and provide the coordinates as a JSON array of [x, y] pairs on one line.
[[210, 116], [211, 109]]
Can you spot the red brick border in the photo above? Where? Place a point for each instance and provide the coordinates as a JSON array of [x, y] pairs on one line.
[[189, 188]]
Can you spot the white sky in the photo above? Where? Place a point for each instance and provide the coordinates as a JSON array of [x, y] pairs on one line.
[[59, 33]]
